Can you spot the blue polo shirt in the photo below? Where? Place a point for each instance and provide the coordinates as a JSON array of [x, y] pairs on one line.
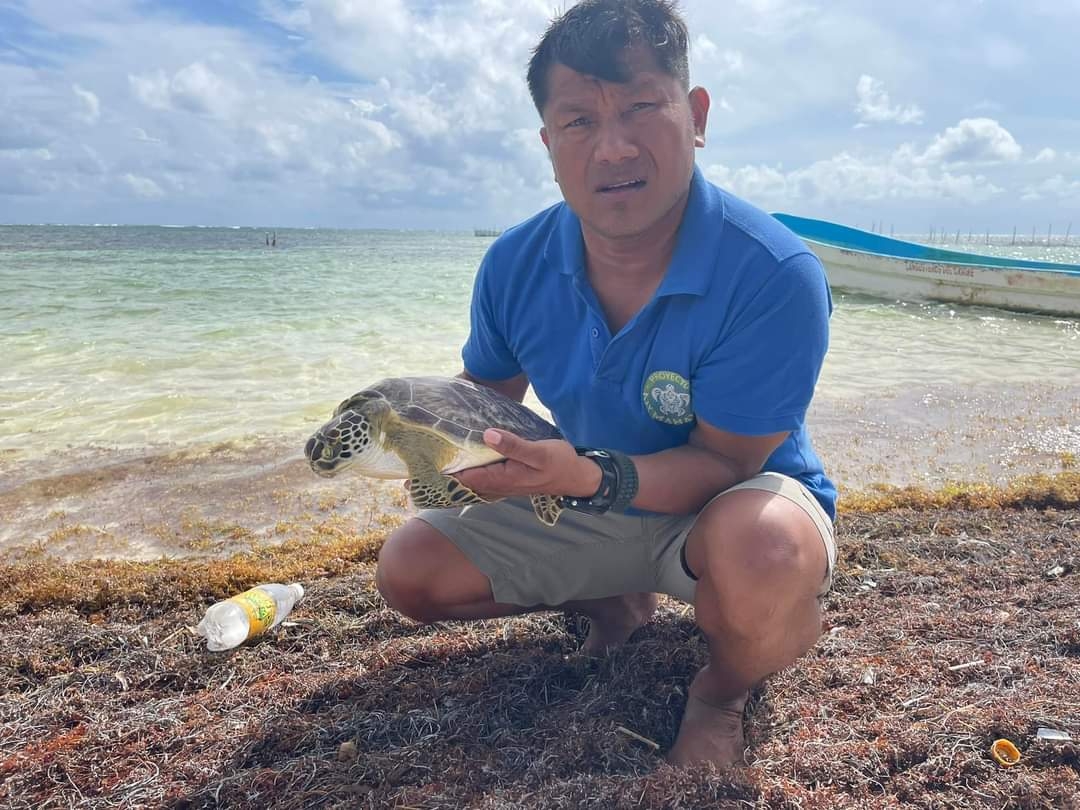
[[735, 334]]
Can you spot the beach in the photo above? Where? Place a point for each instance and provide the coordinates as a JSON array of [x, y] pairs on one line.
[[952, 623], [159, 387]]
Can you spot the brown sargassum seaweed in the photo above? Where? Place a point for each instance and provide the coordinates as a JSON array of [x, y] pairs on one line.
[[954, 621]]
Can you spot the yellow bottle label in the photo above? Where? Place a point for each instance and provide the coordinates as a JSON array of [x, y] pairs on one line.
[[259, 607]]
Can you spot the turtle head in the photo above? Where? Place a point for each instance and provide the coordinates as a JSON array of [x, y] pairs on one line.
[[345, 439]]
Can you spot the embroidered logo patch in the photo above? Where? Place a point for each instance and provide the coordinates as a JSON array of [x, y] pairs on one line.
[[667, 398]]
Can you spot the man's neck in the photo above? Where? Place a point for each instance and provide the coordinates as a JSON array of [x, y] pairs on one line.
[[639, 259]]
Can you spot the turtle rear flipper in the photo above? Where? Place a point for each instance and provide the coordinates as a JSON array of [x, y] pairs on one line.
[[547, 508], [437, 491]]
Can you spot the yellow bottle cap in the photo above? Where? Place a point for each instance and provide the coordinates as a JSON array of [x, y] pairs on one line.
[[1005, 753]]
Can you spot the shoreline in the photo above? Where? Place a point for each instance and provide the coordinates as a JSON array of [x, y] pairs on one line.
[[213, 500]]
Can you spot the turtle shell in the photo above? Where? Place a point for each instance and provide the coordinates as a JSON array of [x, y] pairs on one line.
[[458, 409]]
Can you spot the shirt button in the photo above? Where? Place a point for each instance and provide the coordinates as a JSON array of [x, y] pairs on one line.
[[595, 333]]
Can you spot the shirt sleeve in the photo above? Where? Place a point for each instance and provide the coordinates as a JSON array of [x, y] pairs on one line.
[[487, 354], [760, 376]]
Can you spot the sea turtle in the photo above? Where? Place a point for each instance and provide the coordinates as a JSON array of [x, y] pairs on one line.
[[425, 429]]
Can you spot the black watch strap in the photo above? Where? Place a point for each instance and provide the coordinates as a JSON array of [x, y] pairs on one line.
[[628, 481], [618, 483]]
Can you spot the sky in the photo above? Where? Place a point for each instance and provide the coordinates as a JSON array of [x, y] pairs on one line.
[[954, 114]]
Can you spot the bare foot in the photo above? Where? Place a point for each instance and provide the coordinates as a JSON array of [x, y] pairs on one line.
[[612, 621], [710, 733]]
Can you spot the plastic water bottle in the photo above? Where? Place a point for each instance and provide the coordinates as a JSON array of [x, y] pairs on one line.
[[246, 615]]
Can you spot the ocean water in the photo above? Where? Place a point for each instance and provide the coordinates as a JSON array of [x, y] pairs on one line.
[[157, 385], [129, 337]]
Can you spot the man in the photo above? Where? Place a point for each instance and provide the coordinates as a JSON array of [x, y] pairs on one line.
[[677, 329]]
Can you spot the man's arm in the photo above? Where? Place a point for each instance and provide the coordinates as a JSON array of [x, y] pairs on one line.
[[683, 479], [677, 481], [515, 387]]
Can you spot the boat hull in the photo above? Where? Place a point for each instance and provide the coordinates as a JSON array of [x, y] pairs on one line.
[[1041, 291], [883, 266]]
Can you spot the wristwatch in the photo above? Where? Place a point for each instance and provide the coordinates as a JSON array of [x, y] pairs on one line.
[[618, 483]]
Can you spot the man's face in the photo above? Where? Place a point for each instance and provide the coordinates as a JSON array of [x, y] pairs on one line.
[[623, 153]]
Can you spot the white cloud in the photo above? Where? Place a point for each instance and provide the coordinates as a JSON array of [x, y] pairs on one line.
[[1057, 187], [144, 187], [904, 174], [720, 62], [704, 48], [414, 113], [151, 89], [973, 140], [200, 89], [376, 141], [139, 134], [196, 88], [365, 106], [280, 138], [18, 133], [90, 110], [873, 106], [422, 114], [774, 19], [848, 179]]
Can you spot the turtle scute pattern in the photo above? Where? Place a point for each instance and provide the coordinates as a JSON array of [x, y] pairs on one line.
[[460, 409]]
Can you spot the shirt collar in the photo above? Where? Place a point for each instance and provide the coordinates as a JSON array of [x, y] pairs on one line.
[[699, 237]]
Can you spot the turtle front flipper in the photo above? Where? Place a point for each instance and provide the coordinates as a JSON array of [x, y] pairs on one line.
[[433, 490], [547, 508], [425, 454]]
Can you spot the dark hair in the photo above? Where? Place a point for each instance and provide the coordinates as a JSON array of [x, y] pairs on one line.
[[593, 36]]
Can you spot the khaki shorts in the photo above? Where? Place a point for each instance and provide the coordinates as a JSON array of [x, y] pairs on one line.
[[593, 556]]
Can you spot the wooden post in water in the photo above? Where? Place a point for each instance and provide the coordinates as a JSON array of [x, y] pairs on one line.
[[1067, 232], [1049, 230], [957, 236], [1032, 234], [1014, 235]]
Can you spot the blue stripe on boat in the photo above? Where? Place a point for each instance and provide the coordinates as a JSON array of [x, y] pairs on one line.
[[841, 236]]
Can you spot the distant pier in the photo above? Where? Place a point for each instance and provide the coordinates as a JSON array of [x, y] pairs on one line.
[[947, 236]]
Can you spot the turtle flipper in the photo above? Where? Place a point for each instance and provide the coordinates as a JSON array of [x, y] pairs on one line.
[[437, 491], [425, 455], [547, 508]]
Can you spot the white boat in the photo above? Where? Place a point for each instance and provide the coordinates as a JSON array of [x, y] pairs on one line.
[[859, 261]]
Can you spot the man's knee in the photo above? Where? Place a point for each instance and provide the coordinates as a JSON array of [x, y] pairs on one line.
[[762, 543], [403, 576]]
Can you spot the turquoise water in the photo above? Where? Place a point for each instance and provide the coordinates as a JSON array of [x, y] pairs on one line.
[[129, 337]]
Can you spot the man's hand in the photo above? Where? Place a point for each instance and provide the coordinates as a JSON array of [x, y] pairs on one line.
[[546, 467]]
